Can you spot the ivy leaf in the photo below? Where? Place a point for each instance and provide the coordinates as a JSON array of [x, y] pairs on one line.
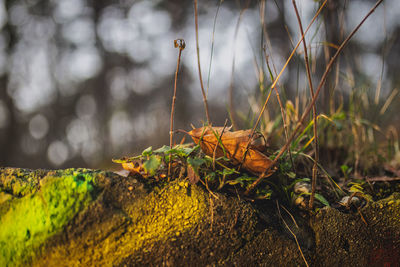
[[164, 149], [242, 180], [126, 159], [195, 162], [147, 152], [184, 151], [151, 165], [178, 150]]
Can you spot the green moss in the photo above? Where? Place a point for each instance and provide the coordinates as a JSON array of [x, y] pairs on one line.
[[19, 182], [4, 197], [160, 216], [32, 219]]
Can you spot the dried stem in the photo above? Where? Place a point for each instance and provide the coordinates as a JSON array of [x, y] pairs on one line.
[[231, 102], [290, 230], [179, 43], [283, 114], [212, 45], [273, 86], [310, 105], [198, 62], [215, 149], [314, 108], [265, 35]]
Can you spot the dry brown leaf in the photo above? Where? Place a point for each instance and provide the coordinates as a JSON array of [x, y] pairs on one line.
[[234, 144], [192, 175], [133, 167]]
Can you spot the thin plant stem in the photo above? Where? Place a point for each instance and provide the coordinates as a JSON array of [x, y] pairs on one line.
[[198, 62], [231, 102], [310, 105], [212, 45], [284, 67], [265, 36], [283, 114], [290, 230], [216, 146], [273, 86], [314, 108], [179, 43]]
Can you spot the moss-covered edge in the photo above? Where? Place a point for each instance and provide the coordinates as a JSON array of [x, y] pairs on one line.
[[38, 205], [161, 216], [145, 220]]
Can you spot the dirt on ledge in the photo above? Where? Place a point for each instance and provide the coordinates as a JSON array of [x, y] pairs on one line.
[[92, 217]]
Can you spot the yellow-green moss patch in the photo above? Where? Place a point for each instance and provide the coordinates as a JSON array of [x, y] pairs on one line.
[[32, 219], [159, 216], [167, 214]]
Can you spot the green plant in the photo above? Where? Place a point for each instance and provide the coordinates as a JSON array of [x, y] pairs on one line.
[[344, 137], [188, 161], [305, 144]]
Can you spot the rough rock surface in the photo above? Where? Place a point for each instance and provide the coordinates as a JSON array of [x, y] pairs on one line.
[[88, 217]]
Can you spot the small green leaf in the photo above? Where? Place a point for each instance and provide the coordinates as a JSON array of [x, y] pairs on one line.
[[263, 194], [210, 176], [344, 168], [148, 151], [125, 159], [246, 178], [151, 165], [178, 150], [195, 162], [242, 180], [340, 116], [232, 182], [227, 171], [184, 151], [321, 199], [356, 187], [162, 149]]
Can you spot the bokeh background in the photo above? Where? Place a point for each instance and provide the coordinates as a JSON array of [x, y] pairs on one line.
[[85, 81]]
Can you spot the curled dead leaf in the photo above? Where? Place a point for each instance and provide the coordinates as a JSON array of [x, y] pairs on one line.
[[133, 167], [192, 175], [233, 146], [145, 168]]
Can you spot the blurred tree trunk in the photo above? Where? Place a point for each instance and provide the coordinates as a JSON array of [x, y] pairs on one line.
[[8, 135], [99, 84]]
